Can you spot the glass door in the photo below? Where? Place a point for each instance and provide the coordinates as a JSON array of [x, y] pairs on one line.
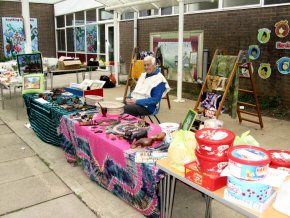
[[109, 42]]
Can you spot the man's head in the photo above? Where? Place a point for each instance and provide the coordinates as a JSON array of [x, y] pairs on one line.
[[150, 64]]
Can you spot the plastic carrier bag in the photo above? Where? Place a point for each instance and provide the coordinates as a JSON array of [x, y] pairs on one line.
[[181, 149], [246, 139]]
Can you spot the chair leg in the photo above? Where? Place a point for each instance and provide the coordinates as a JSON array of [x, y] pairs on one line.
[[157, 119], [168, 101], [150, 119]]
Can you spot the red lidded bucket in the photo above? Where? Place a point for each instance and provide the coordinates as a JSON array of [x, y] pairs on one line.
[[280, 159], [211, 165], [214, 142]]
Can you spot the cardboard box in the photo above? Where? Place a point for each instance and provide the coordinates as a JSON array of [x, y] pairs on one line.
[[68, 64], [207, 181], [82, 93]]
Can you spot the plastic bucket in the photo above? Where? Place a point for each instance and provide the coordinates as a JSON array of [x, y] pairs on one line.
[[211, 165], [169, 128], [280, 159], [248, 162], [214, 142]]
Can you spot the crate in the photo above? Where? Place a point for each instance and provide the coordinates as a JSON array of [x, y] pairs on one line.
[[209, 182], [82, 93]]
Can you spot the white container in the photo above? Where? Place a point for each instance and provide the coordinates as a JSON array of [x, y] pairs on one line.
[[113, 107], [282, 202], [93, 99], [169, 128]]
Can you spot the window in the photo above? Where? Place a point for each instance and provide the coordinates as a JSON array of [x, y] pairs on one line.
[[91, 16], [92, 40], [127, 16], [59, 21], [269, 2], [61, 40], [166, 11], [70, 39], [80, 18], [102, 41], [105, 15], [69, 19], [203, 6], [144, 13], [231, 3]]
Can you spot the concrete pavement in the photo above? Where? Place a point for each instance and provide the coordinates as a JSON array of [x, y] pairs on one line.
[[36, 180]]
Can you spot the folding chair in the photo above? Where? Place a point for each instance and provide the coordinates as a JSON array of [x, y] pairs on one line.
[[154, 114]]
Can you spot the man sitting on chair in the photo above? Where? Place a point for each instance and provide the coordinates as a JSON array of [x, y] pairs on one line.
[[149, 90]]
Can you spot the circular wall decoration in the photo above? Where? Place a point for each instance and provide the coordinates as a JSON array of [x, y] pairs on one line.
[[254, 52], [264, 35], [283, 65], [282, 28], [245, 71], [264, 70]]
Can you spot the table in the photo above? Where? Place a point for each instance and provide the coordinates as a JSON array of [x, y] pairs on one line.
[[111, 164], [51, 73], [45, 119], [167, 188]]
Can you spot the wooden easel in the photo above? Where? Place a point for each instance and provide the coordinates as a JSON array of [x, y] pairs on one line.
[[208, 80], [253, 91]]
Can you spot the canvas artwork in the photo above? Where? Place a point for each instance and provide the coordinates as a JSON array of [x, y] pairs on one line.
[[254, 52], [32, 82], [223, 65], [80, 38], [264, 35], [29, 63], [13, 36], [191, 57], [92, 40], [282, 28], [283, 65]]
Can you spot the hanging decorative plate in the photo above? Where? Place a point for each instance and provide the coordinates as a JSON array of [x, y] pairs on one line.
[[282, 28], [264, 35], [283, 65], [254, 52], [264, 70]]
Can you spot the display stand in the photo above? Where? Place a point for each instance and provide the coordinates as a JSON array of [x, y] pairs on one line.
[[219, 79]]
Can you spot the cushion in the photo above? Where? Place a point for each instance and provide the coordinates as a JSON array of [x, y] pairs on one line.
[[33, 83]]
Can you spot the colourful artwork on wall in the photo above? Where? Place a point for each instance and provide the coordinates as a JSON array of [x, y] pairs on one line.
[[283, 65], [13, 36], [254, 52], [282, 28], [264, 70], [92, 39], [264, 35], [80, 38], [192, 53]]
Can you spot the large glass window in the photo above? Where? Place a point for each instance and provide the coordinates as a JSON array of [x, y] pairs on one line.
[[166, 11], [91, 16], [69, 19], [269, 2], [80, 18], [203, 6], [59, 21], [127, 15], [102, 39], [231, 3], [105, 15], [70, 39], [61, 40]]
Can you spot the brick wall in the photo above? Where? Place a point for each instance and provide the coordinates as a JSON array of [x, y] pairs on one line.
[[232, 30], [45, 22]]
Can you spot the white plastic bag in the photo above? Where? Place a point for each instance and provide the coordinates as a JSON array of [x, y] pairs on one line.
[[181, 149]]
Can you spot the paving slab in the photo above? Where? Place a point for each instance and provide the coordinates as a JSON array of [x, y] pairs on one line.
[[105, 204], [13, 152], [22, 168], [9, 139], [4, 130], [30, 191], [1, 122], [67, 206]]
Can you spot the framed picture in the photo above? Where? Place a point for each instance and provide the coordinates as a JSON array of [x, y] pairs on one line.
[[33, 83], [97, 84], [189, 119], [29, 63]]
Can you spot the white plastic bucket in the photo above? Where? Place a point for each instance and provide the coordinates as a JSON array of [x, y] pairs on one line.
[[169, 128]]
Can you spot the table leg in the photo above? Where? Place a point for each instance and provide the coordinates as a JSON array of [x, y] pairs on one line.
[[2, 97], [51, 80], [208, 211], [167, 190], [90, 74], [77, 74], [171, 196], [16, 103]]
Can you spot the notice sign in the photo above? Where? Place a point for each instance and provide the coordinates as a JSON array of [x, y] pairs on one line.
[[283, 45]]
